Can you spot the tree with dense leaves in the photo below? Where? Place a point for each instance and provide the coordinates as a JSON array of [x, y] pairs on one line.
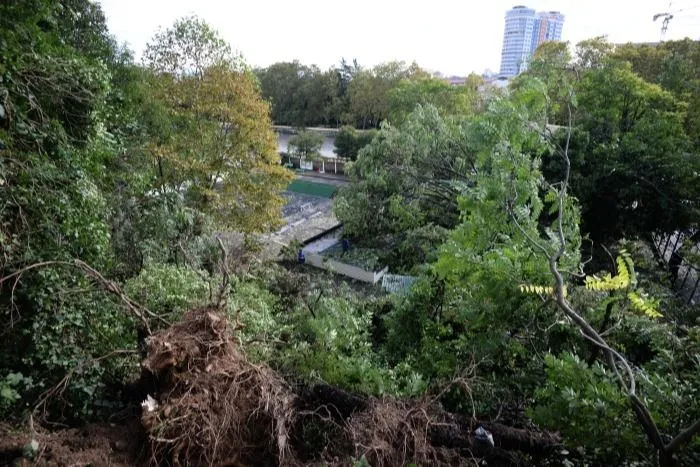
[[306, 144], [640, 175], [54, 191], [478, 303], [448, 99], [279, 84], [369, 91], [221, 148], [301, 95], [551, 65], [674, 65], [350, 141], [593, 53], [406, 179], [632, 166]]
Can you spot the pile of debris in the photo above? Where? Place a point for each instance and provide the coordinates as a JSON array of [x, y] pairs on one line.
[[208, 405], [211, 406]]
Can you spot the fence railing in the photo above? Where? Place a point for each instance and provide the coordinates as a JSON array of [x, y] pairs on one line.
[[679, 251], [354, 272], [330, 165]]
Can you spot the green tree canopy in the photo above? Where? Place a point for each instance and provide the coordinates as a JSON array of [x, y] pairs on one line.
[[306, 144], [448, 99], [406, 181], [221, 148], [350, 141], [369, 91], [674, 65], [302, 95], [633, 171]]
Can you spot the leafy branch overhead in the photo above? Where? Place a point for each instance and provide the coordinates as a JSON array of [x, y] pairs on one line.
[[624, 281]]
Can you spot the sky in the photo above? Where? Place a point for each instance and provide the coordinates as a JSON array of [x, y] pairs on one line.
[[451, 36]]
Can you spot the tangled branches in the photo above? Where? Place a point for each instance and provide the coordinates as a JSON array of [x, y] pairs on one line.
[[213, 407], [137, 311]]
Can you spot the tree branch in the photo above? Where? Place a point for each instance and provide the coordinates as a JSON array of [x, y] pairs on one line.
[[138, 311], [683, 437], [643, 416]]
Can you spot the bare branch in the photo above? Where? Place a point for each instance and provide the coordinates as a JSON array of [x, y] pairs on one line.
[[222, 297], [138, 311], [683, 437]]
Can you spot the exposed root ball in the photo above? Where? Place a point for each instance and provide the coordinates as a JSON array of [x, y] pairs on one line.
[[390, 433], [212, 406]]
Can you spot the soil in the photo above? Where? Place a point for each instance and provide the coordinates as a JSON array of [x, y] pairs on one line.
[[208, 405], [91, 445]]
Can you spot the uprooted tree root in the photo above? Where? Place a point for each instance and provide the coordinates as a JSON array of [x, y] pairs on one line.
[[391, 431], [213, 407]]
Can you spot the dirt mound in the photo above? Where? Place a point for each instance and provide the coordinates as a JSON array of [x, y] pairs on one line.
[[208, 405], [113, 445], [212, 406]]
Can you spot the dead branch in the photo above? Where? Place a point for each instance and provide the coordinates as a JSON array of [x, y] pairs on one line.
[[138, 311]]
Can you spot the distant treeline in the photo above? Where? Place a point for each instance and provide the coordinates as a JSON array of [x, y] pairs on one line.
[[304, 95]]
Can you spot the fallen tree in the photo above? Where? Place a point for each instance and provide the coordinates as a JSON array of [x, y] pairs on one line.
[[206, 404], [211, 406]]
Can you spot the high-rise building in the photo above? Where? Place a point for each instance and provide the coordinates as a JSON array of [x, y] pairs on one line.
[[524, 31], [548, 26]]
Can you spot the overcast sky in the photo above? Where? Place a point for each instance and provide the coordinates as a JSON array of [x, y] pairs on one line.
[[452, 36]]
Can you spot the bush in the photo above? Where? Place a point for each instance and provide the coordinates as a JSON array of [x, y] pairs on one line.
[[321, 338], [306, 144], [350, 141], [167, 289], [10, 386], [586, 405]]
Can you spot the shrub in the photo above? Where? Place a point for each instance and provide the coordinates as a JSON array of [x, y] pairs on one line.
[[167, 289], [350, 141], [306, 144]]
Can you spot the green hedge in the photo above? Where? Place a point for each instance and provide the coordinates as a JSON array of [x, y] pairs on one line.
[[311, 188]]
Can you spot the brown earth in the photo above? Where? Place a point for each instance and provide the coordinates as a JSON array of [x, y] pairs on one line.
[[92, 445], [211, 406]]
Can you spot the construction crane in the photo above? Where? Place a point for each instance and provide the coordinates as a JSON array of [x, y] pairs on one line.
[[668, 16], [664, 25]]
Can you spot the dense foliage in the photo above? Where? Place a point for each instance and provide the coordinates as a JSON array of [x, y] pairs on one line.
[[114, 165], [306, 144], [473, 303], [634, 161], [118, 179], [304, 96], [349, 141]]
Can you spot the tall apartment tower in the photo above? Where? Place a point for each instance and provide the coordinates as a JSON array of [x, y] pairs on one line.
[[525, 30]]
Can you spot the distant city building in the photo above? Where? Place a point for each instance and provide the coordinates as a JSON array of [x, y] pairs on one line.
[[453, 80], [525, 30], [456, 80]]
